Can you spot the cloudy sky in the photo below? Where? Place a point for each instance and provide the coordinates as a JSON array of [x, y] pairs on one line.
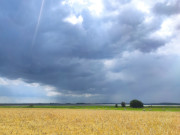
[[71, 51]]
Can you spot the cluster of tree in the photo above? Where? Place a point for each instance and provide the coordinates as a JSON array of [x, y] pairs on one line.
[[134, 104]]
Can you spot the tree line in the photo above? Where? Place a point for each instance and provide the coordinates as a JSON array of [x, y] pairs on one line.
[[133, 103]]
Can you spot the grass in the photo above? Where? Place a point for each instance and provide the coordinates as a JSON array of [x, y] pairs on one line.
[[147, 108]]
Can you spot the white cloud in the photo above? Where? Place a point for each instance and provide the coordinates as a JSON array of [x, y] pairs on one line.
[[108, 63], [172, 48], [49, 88], [5, 81], [74, 20], [112, 76], [82, 95], [22, 86], [94, 6], [53, 93], [166, 29], [142, 6]]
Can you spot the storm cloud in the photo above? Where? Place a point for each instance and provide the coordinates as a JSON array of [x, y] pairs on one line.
[[167, 7], [116, 51]]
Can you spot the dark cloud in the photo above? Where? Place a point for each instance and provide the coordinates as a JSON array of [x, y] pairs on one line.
[[167, 8], [71, 57], [129, 31], [114, 4], [147, 76]]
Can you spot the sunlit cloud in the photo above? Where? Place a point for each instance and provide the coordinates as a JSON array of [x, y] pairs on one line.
[[94, 6], [74, 20]]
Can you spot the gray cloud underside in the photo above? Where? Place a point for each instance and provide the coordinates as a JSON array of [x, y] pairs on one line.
[[71, 57], [167, 7]]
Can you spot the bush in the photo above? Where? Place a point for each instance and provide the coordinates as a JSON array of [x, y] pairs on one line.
[[123, 104], [31, 105], [136, 104]]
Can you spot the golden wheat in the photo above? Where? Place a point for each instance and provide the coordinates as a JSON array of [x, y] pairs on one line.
[[87, 122]]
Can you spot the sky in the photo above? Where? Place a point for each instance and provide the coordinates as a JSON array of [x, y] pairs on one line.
[[92, 51]]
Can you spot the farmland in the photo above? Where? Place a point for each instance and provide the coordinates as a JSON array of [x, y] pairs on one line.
[[87, 121], [99, 107]]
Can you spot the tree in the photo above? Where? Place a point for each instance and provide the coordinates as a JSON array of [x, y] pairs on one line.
[[116, 105], [136, 104], [123, 104], [31, 105]]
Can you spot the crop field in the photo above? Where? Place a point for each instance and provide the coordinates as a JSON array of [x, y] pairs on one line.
[[100, 107], [37, 121]]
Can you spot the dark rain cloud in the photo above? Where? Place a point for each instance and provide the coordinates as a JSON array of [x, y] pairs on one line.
[[71, 57], [167, 7], [149, 77]]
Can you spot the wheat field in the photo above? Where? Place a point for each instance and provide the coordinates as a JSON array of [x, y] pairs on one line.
[[18, 121]]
